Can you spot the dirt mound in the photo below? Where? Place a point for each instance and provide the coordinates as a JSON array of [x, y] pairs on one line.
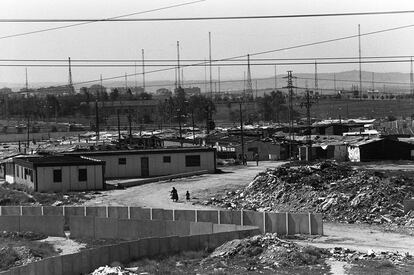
[[339, 191]]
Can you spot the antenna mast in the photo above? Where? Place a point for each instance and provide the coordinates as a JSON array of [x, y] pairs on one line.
[[359, 61], [143, 70], [70, 77], [178, 64], [249, 88]]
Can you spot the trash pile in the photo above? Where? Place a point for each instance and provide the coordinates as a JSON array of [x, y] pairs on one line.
[[339, 191], [348, 255], [116, 270]]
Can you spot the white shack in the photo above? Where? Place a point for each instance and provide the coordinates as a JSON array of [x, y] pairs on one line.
[[59, 173], [153, 162]]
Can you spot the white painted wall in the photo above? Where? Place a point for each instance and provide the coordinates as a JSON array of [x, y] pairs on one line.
[[29, 182], [70, 180], [157, 167]]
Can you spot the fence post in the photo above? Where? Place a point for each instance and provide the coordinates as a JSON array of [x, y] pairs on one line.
[[21, 210], [129, 212], [84, 211], [218, 217], [41, 209], [1, 211], [173, 214], [63, 211], [151, 213], [310, 223], [195, 216], [264, 221], [287, 223], [107, 212]]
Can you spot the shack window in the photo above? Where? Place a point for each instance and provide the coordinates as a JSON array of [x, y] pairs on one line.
[[167, 159], [25, 173], [17, 171], [192, 161], [82, 174], [122, 161], [57, 175]]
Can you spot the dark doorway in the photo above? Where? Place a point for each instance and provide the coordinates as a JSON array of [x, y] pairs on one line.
[[144, 167]]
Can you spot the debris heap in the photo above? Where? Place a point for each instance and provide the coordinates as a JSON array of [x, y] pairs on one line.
[[339, 191]]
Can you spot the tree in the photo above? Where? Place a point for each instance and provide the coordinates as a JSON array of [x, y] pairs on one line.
[[114, 94]]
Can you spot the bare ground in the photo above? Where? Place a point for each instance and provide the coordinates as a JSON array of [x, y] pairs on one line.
[[156, 195]]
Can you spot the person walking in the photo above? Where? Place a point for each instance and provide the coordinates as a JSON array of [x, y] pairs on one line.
[[174, 195], [256, 158], [187, 196]]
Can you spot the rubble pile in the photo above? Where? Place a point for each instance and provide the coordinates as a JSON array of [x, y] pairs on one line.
[[339, 191], [270, 251]]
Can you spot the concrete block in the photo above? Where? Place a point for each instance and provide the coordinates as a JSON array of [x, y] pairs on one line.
[[298, 224], [50, 225], [10, 223], [185, 215], [128, 229], [101, 256], [118, 212], [31, 210], [408, 205], [194, 243], [10, 210], [175, 244], [28, 269], [52, 210], [183, 243], [245, 233], [139, 213], [143, 247], [224, 227], [124, 253], [165, 245], [204, 241], [147, 229], [230, 217], [217, 239], [198, 228], [67, 264], [153, 246], [82, 227], [276, 223], [96, 211], [77, 259], [316, 224], [177, 228], [207, 216], [134, 250], [53, 265], [86, 262], [106, 228], [254, 218], [162, 214], [74, 211], [40, 267]]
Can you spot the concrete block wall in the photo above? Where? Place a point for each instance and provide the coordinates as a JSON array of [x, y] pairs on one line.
[[48, 225], [281, 223], [87, 260]]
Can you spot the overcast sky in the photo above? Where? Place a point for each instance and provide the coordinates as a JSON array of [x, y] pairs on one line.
[[124, 40]]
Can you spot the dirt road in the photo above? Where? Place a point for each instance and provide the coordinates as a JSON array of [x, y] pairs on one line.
[[157, 194]]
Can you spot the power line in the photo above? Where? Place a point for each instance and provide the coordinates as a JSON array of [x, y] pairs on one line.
[[98, 20], [201, 65], [119, 19], [196, 60]]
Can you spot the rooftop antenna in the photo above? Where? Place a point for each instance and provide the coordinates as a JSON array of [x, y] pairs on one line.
[[143, 70], [359, 61], [27, 82], [178, 64], [70, 76]]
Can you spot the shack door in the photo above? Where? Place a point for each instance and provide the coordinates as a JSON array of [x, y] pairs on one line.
[[144, 167]]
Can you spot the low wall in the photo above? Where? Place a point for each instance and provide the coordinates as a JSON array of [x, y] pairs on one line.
[[281, 223], [88, 260], [408, 205], [48, 225]]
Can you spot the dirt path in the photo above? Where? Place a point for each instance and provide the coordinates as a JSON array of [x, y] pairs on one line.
[[157, 194], [362, 238]]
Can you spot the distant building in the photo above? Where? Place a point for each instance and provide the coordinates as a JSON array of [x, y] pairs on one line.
[[154, 162], [56, 173], [192, 91], [45, 91]]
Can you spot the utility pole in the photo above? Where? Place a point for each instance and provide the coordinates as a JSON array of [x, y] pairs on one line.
[[211, 73], [143, 70], [242, 134], [249, 87], [97, 120], [27, 82], [119, 124], [219, 90], [360, 63], [307, 104], [275, 79], [316, 79], [192, 121], [130, 126], [126, 83], [205, 76], [290, 113], [28, 131], [70, 78], [372, 81], [411, 78], [135, 74], [334, 82], [178, 64]]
